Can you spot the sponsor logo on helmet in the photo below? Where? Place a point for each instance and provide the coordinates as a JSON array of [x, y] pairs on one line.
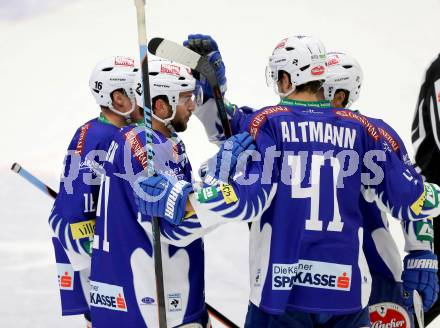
[[124, 61], [170, 69], [65, 276], [318, 70], [107, 296], [313, 274], [148, 300], [280, 60], [341, 79], [388, 315], [281, 44], [161, 85], [333, 60], [174, 302]]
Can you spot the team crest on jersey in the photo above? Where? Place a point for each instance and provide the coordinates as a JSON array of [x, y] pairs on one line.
[[389, 315], [107, 296], [174, 302], [65, 276], [260, 118]]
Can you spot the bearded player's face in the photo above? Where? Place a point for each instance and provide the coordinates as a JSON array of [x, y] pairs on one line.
[[184, 110]]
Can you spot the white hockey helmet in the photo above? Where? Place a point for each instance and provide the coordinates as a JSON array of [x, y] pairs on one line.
[[168, 78], [343, 72], [302, 57], [113, 74]]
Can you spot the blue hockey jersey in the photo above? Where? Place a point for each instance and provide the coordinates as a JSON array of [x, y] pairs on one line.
[[303, 203], [72, 219], [123, 288]]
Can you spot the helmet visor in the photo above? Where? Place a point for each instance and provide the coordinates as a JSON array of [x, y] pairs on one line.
[[196, 97]]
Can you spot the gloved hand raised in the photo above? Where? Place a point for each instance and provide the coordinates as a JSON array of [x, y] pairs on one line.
[[205, 45]]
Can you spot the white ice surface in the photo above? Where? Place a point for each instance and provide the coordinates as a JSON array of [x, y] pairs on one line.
[[48, 49]]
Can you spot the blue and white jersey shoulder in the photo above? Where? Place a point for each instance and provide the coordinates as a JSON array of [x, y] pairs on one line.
[[380, 248], [123, 288], [73, 214], [309, 145]]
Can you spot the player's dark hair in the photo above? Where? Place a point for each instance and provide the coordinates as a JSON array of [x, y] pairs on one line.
[[161, 97], [310, 87], [121, 90]]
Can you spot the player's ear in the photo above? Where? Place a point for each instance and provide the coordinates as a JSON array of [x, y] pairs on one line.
[[161, 108], [118, 97], [338, 99]]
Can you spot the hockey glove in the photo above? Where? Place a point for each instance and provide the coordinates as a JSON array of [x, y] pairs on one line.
[[163, 197], [206, 46], [229, 160], [420, 273]]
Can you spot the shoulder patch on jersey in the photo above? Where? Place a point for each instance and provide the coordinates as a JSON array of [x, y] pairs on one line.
[[389, 138], [82, 139], [371, 129], [136, 147], [259, 119]]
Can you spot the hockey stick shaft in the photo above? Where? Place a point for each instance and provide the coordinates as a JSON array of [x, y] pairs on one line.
[[418, 309], [157, 251], [17, 168]]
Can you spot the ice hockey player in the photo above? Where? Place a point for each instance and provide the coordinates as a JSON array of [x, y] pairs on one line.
[[426, 143], [313, 162], [342, 88], [387, 304], [123, 288], [113, 84]]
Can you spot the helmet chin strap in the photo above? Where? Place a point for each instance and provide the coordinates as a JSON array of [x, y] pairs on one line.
[[124, 114], [166, 121]]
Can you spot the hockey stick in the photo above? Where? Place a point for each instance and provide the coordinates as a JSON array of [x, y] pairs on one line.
[[33, 180], [172, 51], [157, 251], [178, 53], [17, 168], [418, 309]]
